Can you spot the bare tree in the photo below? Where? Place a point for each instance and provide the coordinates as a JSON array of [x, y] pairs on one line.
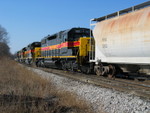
[[4, 48], [3, 35]]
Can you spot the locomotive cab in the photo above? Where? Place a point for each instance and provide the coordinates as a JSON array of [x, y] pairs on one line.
[[77, 49]]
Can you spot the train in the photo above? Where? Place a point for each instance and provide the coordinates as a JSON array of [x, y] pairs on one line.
[[115, 43], [68, 50]]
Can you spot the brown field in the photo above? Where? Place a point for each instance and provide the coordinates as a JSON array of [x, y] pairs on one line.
[[22, 91]]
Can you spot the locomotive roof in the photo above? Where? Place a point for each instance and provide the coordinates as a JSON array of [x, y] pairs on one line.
[[33, 44], [122, 12], [65, 31], [24, 49], [68, 30]]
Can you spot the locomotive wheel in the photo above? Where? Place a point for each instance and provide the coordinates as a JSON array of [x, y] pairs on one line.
[[85, 69], [72, 67], [64, 66], [37, 64], [88, 71]]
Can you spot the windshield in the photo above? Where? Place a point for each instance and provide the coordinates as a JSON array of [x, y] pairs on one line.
[[76, 36]]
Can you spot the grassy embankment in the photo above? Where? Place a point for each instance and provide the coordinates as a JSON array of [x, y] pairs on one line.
[[22, 91]]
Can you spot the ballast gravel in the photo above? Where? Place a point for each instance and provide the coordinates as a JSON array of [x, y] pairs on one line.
[[100, 99]]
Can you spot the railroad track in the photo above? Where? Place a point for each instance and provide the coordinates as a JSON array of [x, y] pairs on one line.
[[137, 88]]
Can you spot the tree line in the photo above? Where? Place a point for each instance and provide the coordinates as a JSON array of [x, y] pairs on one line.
[[4, 40]]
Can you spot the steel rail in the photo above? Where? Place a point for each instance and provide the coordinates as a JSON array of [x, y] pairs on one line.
[[135, 88]]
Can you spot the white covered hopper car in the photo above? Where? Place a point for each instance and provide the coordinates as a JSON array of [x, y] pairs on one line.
[[122, 41]]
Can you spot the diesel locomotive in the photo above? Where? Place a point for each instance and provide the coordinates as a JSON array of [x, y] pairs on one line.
[[68, 50], [120, 42], [29, 54]]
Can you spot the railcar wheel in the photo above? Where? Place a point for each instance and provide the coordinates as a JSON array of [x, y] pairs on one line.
[[112, 70], [99, 71], [105, 71]]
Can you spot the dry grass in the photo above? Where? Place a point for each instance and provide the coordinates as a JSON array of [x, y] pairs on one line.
[[14, 79], [22, 91]]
